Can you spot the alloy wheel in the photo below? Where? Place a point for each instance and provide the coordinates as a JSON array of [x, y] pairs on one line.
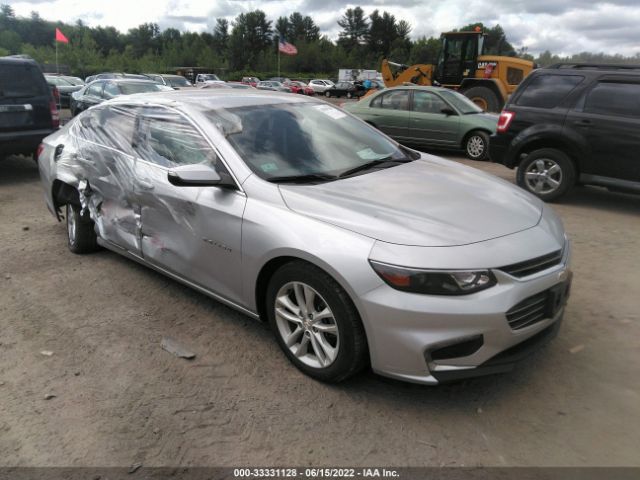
[[307, 325], [475, 146], [543, 176]]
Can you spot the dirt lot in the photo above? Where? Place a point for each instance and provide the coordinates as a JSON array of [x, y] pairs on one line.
[[121, 399]]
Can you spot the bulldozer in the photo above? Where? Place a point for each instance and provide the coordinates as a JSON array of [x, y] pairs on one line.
[[487, 80]]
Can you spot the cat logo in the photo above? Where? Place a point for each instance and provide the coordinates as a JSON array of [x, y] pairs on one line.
[[483, 65]]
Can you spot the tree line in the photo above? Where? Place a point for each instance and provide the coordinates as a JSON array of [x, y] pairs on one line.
[[248, 45]]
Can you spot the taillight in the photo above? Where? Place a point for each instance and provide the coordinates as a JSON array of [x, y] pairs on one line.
[[504, 121], [53, 106], [39, 150]]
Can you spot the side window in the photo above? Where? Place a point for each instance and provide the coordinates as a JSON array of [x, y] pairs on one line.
[[427, 102], [614, 99], [117, 125], [396, 100], [547, 91], [514, 76], [111, 127], [376, 102], [95, 90], [166, 138], [111, 90]]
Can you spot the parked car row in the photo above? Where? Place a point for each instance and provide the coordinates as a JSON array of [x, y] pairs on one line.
[[99, 91], [566, 125]]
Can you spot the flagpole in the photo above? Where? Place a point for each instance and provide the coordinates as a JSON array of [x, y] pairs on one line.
[[278, 59], [57, 68]]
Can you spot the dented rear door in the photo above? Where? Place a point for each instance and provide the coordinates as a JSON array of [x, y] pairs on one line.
[[107, 173]]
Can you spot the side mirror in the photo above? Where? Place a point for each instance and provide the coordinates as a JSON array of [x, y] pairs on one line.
[[199, 176], [448, 111]]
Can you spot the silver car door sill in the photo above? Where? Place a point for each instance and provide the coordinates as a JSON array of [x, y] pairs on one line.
[[115, 248]]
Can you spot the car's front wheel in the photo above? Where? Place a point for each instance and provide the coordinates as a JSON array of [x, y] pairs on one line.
[[327, 94], [349, 95], [81, 233], [476, 145], [547, 173], [316, 324]]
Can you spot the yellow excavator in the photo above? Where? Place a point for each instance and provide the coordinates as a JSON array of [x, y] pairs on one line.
[[487, 80]]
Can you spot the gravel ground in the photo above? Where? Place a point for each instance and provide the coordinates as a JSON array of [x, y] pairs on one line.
[[120, 399]]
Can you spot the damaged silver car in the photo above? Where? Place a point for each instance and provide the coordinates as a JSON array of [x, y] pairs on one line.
[[357, 250]]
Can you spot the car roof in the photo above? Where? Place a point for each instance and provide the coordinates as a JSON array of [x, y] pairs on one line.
[[213, 98], [18, 60], [418, 87], [126, 80]]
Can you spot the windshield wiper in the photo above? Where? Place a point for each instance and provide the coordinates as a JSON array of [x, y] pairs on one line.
[[307, 178], [386, 162]]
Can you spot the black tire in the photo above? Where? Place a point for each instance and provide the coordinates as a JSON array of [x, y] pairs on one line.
[[566, 180], [476, 145], [352, 355], [349, 95], [82, 238], [485, 98], [327, 94]]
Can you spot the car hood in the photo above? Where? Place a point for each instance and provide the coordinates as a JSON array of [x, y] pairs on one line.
[[427, 202]]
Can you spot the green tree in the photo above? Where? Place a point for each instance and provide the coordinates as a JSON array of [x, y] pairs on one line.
[[355, 28], [383, 32]]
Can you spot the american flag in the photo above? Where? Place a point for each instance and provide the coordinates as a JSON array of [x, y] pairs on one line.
[[287, 48]]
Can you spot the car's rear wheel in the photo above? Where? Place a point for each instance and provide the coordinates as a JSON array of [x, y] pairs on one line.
[[81, 233], [476, 145], [349, 95], [327, 94], [316, 324], [547, 173]]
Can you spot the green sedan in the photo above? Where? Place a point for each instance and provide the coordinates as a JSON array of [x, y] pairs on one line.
[[429, 117]]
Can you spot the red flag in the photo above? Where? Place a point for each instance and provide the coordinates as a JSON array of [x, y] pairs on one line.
[[286, 47], [60, 37]]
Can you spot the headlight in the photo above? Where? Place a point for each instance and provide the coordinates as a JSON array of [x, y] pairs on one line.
[[434, 282]]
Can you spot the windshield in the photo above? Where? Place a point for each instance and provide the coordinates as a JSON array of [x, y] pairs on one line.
[[460, 102], [21, 81], [131, 88], [209, 77], [58, 82], [74, 80], [295, 139], [178, 82]]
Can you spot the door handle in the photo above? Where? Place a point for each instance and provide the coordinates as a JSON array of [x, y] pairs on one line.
[[582, 123], [145, 184]]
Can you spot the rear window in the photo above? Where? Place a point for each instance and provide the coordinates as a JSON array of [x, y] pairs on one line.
[[177, 81], [547, 91], [21, 81], [131, 88], [614, 99]]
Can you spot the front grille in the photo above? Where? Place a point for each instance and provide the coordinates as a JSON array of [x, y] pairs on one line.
[[528, 311], [535, 265]]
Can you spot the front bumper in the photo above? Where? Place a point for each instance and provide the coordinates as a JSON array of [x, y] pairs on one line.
[[406, 330]]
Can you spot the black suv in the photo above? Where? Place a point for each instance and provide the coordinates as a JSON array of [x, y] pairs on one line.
[[28, 111], [572, 123]]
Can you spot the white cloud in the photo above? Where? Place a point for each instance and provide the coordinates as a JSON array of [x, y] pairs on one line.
[[564, 27]]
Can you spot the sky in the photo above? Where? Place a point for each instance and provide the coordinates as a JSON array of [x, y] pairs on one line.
[[561, 26]]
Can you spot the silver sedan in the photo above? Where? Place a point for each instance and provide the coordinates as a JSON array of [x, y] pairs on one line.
[[358, 251]]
